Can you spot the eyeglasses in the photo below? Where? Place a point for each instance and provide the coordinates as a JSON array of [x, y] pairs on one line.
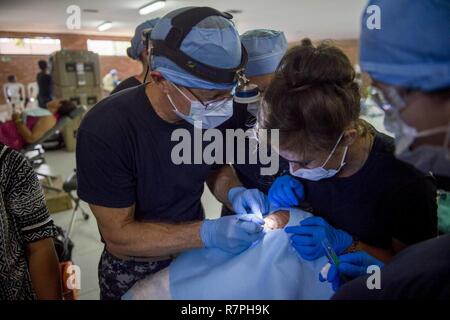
[[212, 104], [389, 100]]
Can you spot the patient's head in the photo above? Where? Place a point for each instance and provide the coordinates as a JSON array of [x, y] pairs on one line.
[[277, 220], [62, 107]]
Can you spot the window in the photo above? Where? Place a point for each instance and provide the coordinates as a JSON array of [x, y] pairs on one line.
[[41, 46], [108, 47]]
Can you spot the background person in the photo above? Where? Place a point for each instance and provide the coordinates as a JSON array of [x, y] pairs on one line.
[[138, 52], [265, 49], [412, 77], [30, 126], [110, 81], [29, 267], [44, 81]]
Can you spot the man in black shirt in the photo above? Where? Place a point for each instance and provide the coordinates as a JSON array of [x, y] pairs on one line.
[[44, 81], [147, 204]]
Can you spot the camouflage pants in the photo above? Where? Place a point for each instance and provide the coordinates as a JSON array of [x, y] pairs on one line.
[[116, 276]]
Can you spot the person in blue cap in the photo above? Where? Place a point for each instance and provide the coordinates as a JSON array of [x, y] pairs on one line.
[[265, 49], [408, 60], [147, 205], [138, 51]]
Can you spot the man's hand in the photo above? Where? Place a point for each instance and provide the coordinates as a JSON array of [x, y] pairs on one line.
[[248, 201], [233, 234]]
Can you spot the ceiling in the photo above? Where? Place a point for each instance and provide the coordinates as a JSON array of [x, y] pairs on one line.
[[317, 19]]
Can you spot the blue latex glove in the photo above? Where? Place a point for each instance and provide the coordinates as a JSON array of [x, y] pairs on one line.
[[351, 265], [286, 192], [307, 238], [248, 201], [233, 234]]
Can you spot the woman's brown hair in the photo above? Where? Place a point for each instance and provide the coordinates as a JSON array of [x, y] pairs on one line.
[[312, 99]]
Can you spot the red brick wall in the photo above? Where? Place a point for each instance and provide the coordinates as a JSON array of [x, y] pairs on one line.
[[25, 67]]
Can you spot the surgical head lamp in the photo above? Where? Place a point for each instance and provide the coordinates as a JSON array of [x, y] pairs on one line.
[[245, 91]]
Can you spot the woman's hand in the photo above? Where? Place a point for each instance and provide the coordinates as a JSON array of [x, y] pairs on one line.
[[308, 236], [351, 265], [286, 192]]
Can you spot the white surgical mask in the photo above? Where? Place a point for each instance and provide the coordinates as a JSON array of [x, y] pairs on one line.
[[404, 134], [210, 115], [427, 158], [320, 173]]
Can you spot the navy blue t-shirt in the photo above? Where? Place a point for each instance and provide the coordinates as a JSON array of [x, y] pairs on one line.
[[385, 199], [124, 158], [125, 84]]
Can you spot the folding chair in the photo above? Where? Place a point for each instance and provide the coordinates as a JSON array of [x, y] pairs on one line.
[[70, 186]]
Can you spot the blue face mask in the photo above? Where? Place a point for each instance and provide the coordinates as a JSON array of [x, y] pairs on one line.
[[320, 173], [205, 116], [429, 158]]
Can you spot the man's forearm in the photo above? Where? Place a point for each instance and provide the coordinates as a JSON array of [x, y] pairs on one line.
[[221, 181], [145, 239]]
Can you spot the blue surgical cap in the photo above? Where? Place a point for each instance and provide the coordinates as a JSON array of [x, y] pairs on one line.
[[412, 47], [213, 41], [137, 47], [265, 49]]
